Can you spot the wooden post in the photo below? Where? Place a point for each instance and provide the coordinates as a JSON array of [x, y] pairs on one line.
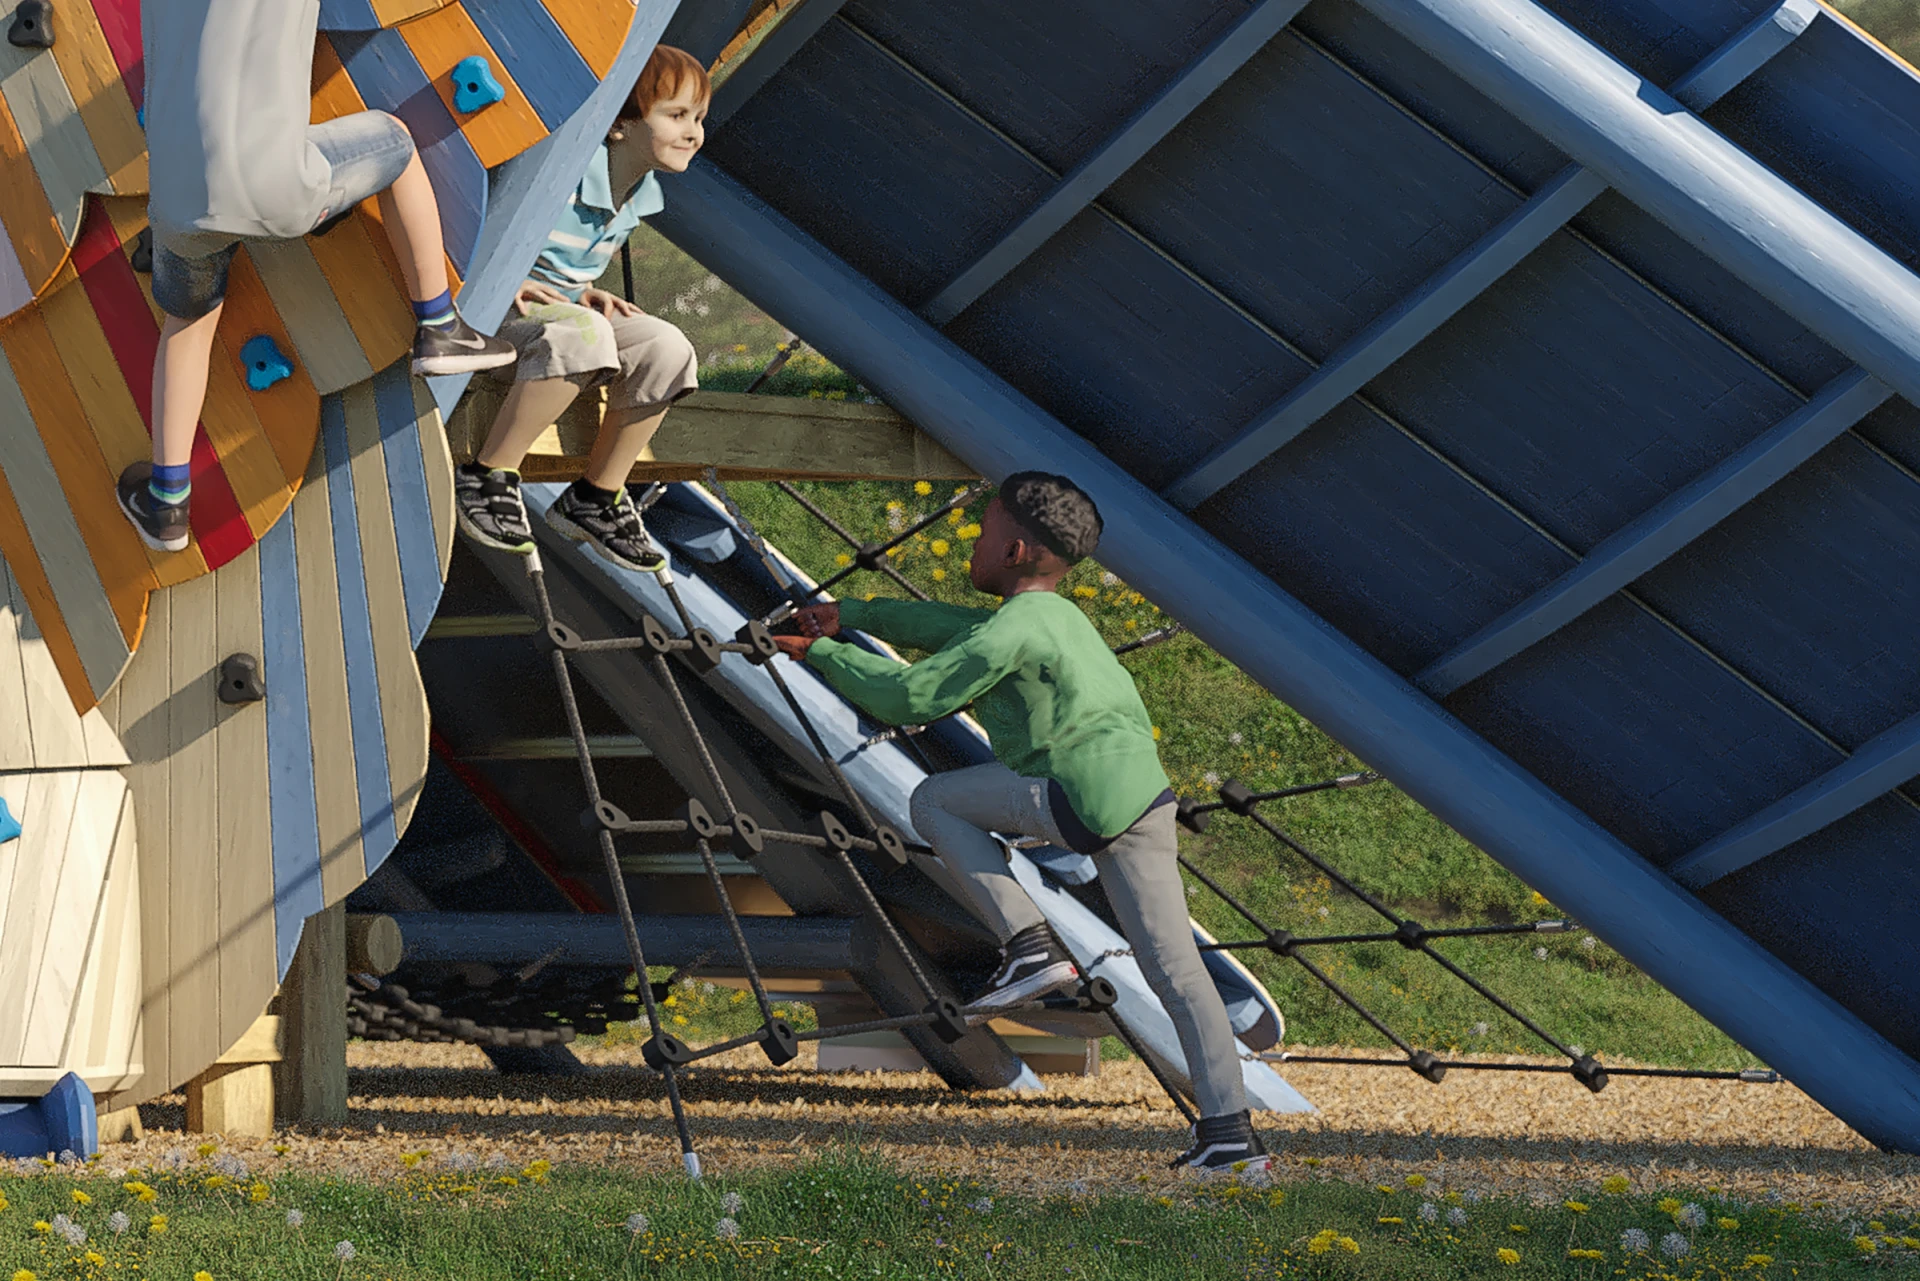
[[235, 1095], [310, 1082]]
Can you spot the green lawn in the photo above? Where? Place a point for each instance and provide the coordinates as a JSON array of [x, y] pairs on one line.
[[844, 1215]]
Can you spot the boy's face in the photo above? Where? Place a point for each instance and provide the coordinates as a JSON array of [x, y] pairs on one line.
[[999, 552], [676, 127]]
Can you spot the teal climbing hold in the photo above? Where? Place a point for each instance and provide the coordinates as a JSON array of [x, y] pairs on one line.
[[266, 363], [474, 86], [9, 825]]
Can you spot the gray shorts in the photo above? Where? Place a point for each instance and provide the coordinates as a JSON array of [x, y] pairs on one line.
[[644, 361], [368, 151]]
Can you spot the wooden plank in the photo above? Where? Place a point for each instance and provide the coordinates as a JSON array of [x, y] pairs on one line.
[[46, 508], [119, 557], [16, 740], [497, 132], [776, 47], [414, 501], [120, 24], [193, 889], [437, 461], [321, 335], [247, 957], [541, 55], [362, 285], [336, 792], [260, 1040], [35, 233], [310, 1085], [595, 29], [392, 13], [16, 292], [107, 1006], [30, 909], [73, 924], [335, 96], [17, 790], [88, 66], [232, 1101], [29, 585], [50, 126], [348, 15], [140, 702], [260, 487], [57, 732], [290, 408], [401, 695], [290, 775]]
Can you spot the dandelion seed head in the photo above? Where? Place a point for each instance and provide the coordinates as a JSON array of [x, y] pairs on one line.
[[119, 1221], [1539, 953], [295, 1218], [637, 1223], [1587, 944], [1674, 1245], [1690, 1216], [731, 1203], [726, 1230], [1478, 1029], [230, 1165], [1236, 738], [1429, 1212], [344, 1251], [1634, 1241], [67, 1157], [1078, 1187], [1456, 1217], [983, 1206]]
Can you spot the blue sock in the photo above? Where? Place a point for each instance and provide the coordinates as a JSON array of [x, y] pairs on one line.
[[171, 485], [435, 311]]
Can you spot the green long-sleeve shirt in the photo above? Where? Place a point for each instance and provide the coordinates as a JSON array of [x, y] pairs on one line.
[[1052, 697]]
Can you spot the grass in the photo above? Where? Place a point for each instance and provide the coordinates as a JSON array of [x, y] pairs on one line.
[[1215, 723], [845, 1214]]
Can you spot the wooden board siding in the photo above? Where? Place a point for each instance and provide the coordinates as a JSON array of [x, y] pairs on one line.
[[259, 815]]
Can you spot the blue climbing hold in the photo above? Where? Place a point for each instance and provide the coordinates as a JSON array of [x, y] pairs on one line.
[[61, 1121], [474, 86], [266, 363], [9, 825]]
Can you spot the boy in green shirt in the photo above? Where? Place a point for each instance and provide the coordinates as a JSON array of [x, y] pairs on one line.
[[1076, 766]]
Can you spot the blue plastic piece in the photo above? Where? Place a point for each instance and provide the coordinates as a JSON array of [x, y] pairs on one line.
[[9, 825], [60, 1121], [266, 363], [474, 86]]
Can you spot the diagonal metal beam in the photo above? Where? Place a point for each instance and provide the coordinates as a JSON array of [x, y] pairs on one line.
[[1118, 153], [1672, 524], [1881, 764], [1471, 273], [763, 64]]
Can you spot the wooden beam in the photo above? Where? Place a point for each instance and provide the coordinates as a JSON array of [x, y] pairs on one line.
[[772, 48], [1471, 273], [310, 1083], [743, 437], [373, 945], [232, 1100]]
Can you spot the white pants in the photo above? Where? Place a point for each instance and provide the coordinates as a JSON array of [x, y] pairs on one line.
[[955, 811]]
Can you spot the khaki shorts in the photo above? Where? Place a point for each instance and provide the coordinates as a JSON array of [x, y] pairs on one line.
[[644, 362]]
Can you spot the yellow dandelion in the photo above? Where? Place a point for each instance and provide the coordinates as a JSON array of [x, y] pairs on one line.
[[80, 1198], [1539, 899], [258, 1192], [1416, 1180], [939, 547], [671, 1001], [207, 1149], [214, 1181], [1348, 1244], [1578, 1207], [939, 575], [281, 1149], [1305, 1160], [24, 1275], [1086, 593], [1390, 1220], [1277, 1197], [679, 1020], [738, 348], [1866, 1245], [843, 560], [1507, 1255], [1759, 1260], [1320, 1244], [1156, 738], [509, 1180], [1729, 1225], [411, 1159], [922, 488], [1163, 1200], [157, 1225], [1668, 1205], [3, 1202], [203, 1276], [1520, 1229], [1587, 1254], [41, 1225], [538, 1170], [1383, 1187], [1614, 1184], [896, 505], [969, 530], [96, 1258], [1876, 1226]]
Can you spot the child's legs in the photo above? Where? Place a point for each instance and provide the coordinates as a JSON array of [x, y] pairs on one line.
[[563, 347], [657, 367], [1143, 883], [957, 809], [373, 154], [189, 284]]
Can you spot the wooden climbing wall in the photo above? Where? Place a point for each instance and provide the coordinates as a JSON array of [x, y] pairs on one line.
[[254, 816], [69, 879]]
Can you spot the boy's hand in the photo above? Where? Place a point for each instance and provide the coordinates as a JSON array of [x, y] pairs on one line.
[[795, 647], [534, 294], [819, 620], [612, 306]]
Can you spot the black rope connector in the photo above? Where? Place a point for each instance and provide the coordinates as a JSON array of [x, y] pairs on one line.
[[1589, 1073], [706, 651], [1281, 942], [1410, 935], [946, 1020], [1238, 797], [666, 1051], [891, 846], [747, 841], [1096, 995], [871, 555], [1191, 816], [759, 642], [654, 632], [603, 815], [778, 1042], [835, 831], [699, 819], [1424, 1064], [562, 637]]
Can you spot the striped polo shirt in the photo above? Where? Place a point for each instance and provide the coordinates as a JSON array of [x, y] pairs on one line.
[[592, 228]]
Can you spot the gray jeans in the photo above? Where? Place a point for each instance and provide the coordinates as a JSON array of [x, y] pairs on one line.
[[955, 811]]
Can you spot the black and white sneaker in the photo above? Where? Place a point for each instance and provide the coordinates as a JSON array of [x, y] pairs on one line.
[[162, 526], [489, 510], [458, 349], [1035, 964], [614, 528], [1225, 1145]]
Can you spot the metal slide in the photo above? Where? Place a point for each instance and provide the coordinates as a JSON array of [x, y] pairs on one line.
[[1524, 392]]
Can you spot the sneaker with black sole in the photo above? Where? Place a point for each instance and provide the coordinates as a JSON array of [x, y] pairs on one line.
[[614, 529], [162, 526], [1224, 1145], [488, 508], [1033, 965], [458, 349]]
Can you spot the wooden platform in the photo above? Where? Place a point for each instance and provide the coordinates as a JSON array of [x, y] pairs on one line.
[[743, 437], [255, 816]]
